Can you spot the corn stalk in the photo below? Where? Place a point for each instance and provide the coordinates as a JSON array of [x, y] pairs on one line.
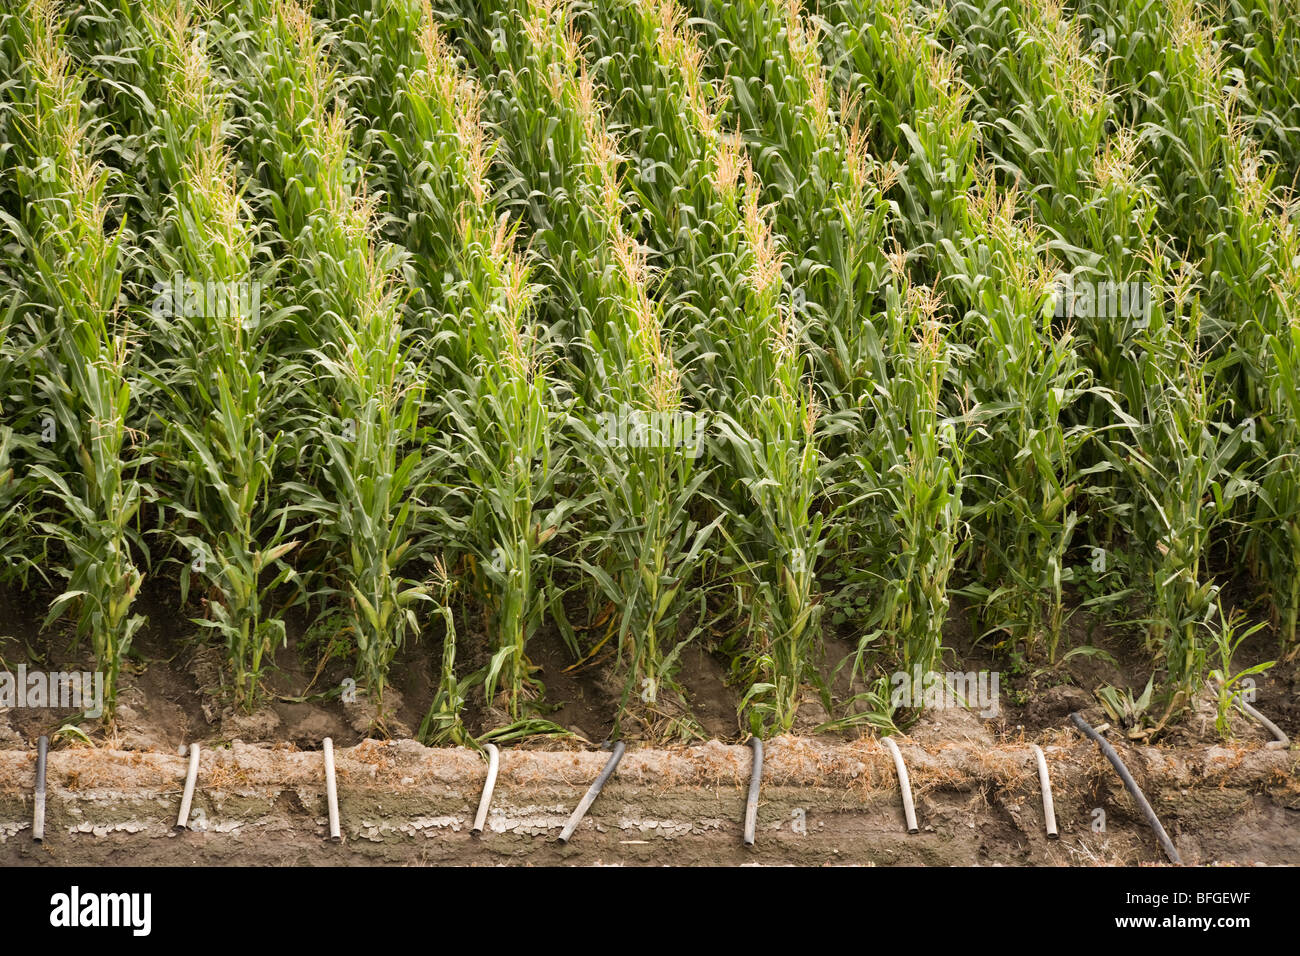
[[83, 379], [364, 476], [210, 330]]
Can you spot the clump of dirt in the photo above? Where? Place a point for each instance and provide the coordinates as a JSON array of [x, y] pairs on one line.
[[580, 698], [713, 702], [306, 726]]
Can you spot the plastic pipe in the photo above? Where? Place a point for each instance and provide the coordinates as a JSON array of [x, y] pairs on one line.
[[485, 801], [755, 780], [592, 792], [183, 818], [331, 790], [38, 809], [1282, 741], [1170, 850], [904, 784], [1045, 784]]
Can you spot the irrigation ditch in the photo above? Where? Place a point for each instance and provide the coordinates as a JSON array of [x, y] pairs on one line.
[[820, 803]]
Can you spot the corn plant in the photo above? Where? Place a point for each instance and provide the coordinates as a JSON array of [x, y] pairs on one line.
[[1230, 687], [886, 62], [1049, 65], [443, 722], [364, 474], [1262, 43], [83, 378], [102, 38], [1039, 91], [907, 479], [767, 423], [500, 439], [1179, 452], [1116, 223], [641, 545], [210, 327]]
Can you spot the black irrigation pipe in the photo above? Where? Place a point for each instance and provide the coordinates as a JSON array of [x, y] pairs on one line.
[[755, 781], [1170, 850], [38, 810], [593, 792]]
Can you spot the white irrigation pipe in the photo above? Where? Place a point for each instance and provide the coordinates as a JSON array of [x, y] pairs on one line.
[[485, 801], [1045, 784], [331, 791], [38, 808], [1283, 742], [755, 781], [592, 792], [904, 784], [183, 818]]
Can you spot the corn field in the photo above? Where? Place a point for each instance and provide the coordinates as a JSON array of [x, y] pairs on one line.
[[789, 332]]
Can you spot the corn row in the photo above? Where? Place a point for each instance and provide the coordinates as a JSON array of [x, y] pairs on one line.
[[500, 411], [1021, 374], [725, 285], [210, 326], [364, 477], [82, 375], [640, 547]]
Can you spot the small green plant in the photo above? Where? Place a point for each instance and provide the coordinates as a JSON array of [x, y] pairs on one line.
[[1125, 710], [1228, 687], [442, 724]]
